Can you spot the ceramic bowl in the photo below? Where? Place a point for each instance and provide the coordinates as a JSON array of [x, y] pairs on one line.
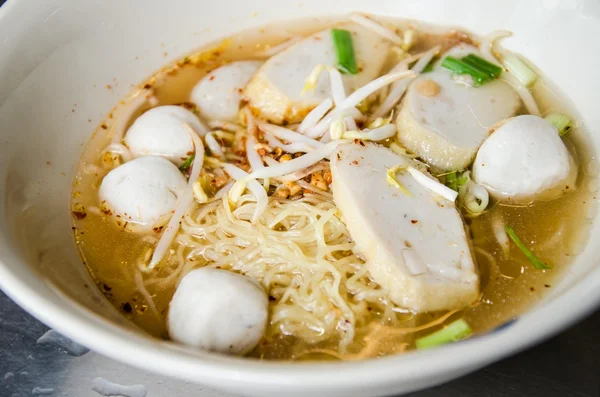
[[59, 56]]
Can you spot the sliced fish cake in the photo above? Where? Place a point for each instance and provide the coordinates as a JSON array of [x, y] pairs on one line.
[[414, 245], [275, 92], [445, 121]]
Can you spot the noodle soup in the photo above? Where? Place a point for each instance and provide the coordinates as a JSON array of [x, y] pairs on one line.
[[270, 197]]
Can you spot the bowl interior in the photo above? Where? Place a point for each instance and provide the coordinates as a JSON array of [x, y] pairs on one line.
[[66, 63]]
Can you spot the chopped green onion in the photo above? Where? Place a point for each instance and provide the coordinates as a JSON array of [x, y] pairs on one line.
[[451, 181], [461, 181], [562, 122], [344, 51], [530, 255], [458, 66], [187, 163], [454, 332], [478, 68], [521, 71], [475, 198], [454, 182], [494, 71]]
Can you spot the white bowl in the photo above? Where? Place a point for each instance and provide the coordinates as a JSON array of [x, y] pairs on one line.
[[57, 56]]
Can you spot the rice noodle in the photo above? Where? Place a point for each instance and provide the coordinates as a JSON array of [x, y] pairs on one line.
[[377, 28], [399, 87], [438, 321], [315, 115], [315, 295], [224, 190], [183, 203], [139, 284]]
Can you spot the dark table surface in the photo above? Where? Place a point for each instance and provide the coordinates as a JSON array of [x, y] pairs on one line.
[[567, 365]]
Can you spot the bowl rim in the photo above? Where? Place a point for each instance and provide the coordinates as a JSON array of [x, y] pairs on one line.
[[135, 349], [82, 325]]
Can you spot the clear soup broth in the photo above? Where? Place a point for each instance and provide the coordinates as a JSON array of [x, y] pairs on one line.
[[555, 230]]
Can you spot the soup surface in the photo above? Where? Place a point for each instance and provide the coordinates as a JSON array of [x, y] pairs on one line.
[[323, 301]]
